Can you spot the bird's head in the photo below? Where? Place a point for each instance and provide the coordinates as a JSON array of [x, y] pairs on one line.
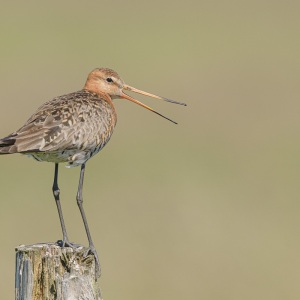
[[104, 80]]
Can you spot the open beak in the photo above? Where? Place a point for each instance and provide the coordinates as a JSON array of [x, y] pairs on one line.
[[132, 89]]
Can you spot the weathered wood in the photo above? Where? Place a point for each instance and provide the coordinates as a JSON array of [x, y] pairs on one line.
[[48, 271]]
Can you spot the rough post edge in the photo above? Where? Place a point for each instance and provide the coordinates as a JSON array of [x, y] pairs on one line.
[[48, 271]]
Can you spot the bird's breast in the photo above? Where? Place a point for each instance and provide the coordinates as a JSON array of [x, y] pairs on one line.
[[94, 122], [75, 128]]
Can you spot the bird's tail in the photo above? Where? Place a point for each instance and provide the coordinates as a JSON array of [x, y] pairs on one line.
[[7, 145]]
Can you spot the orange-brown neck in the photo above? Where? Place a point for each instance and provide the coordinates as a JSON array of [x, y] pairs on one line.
[[92, 85]]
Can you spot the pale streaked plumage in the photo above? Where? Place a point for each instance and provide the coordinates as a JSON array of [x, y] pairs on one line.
[[69, 128]]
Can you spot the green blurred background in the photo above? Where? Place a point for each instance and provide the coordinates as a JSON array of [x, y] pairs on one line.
[[207, 209]]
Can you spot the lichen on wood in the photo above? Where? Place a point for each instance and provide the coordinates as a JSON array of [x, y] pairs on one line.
[[50, 272]]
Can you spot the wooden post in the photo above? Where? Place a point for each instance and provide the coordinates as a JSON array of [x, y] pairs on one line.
[[48, 271]]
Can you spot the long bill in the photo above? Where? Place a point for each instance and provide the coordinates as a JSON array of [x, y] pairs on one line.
[[132, 89]]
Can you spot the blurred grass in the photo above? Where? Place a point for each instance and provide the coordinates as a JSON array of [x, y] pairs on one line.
[[208, 209]]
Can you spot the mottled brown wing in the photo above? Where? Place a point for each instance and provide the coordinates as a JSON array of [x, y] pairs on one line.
[[49, 129], [78, 121], [39, 135]]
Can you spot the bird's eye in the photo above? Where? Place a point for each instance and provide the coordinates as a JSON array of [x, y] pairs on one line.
[[108, 79]]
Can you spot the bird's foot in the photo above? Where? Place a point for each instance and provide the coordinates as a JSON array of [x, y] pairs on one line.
[[66, 243], [91, 250]]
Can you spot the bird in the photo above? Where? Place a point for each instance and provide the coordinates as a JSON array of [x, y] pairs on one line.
[[71, 129]]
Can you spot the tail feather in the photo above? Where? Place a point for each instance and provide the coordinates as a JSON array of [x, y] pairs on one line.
[[7, 145]]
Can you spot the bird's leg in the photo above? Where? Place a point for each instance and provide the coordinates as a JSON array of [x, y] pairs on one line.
[[79, 203], [56, 192]]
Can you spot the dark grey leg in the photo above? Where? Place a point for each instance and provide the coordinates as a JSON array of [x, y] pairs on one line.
[[79, 203], [56, 193]]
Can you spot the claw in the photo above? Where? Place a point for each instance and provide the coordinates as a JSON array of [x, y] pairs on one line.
[[92, 251], [66, 243]]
